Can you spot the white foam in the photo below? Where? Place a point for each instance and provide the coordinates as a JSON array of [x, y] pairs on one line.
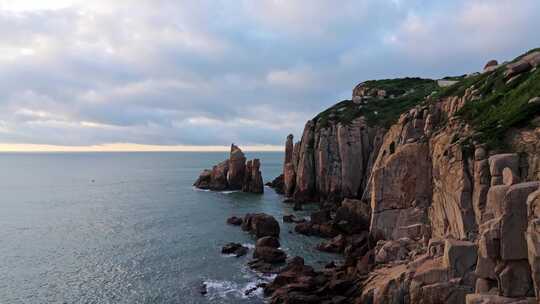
[[248, 245], [201, 190], [227, 289], [229, 192]]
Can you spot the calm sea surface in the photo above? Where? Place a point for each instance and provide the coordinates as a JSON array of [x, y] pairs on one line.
[[128, 228]]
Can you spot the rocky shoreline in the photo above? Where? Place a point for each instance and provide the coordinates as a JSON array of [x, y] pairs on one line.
[[430, 206]]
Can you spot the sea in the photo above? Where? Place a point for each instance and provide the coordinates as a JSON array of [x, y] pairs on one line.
[[130, 228]]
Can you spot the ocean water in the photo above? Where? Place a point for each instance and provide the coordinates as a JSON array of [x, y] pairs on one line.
[[128, 228]]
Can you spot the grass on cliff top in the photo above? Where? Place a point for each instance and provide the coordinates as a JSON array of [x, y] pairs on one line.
[[502, 106], [381, 112]]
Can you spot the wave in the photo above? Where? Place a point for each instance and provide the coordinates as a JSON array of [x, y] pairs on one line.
[[226, 289]]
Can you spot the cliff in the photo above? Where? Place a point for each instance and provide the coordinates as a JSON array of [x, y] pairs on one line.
[[451, 177]]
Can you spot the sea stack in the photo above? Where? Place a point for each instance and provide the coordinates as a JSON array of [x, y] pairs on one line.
[[233, 174]]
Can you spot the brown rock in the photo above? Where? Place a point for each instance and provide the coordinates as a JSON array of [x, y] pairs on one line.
[[400, 183], [517, 68], [515, 280], [237, 166], [459, 257], [253, 181], [491, 63], [509, 178], [269, 254], [268, 241], [261, 225], [233, 220], [514, 221], [234, 248]]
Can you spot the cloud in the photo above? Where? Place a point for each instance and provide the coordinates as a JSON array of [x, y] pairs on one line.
[[167, 72]]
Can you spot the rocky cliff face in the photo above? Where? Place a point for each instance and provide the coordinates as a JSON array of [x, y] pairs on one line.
[[453, 185], [233, 174]]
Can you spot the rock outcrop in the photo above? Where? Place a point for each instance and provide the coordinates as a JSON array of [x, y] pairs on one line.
[[442, 205], [233, 174]]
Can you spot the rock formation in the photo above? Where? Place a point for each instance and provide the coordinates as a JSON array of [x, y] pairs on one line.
[[442, 205], [233, 174]]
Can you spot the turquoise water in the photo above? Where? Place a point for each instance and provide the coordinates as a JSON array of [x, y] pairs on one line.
[[128, 228]]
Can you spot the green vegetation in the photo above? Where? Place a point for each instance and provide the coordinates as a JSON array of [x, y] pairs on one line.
[[408, 92], [502, 105]]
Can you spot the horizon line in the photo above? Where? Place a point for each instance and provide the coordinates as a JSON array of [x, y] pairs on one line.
[[129, 147]]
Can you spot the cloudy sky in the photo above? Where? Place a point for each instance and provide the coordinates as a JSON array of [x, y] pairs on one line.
[[208, 73]]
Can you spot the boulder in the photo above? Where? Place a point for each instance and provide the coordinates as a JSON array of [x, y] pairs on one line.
[[261, 225], [269, 254], [268, 241], [516, 68], [235, 221], [533, 58], [490, 65]]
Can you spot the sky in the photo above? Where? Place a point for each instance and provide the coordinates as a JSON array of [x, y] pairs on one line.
[[187, 75]]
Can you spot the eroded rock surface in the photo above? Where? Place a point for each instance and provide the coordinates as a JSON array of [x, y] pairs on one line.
[[233, 174]]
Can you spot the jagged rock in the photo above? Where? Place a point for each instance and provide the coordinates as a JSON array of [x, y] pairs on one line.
[[261, 225], [218, 177], [237, 168], [233, 174], [233, 220], [253, 181], [205, 179]]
